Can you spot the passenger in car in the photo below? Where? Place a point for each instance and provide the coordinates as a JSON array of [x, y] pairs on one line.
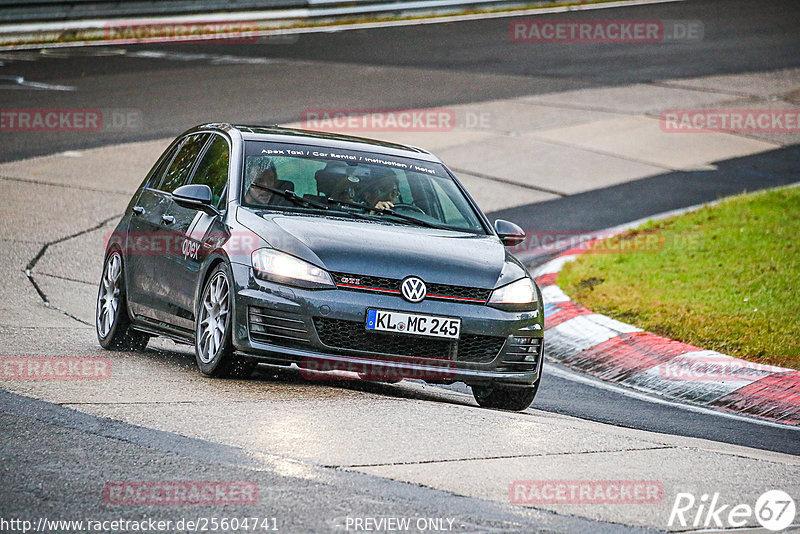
[[360, 184], [334, 181]]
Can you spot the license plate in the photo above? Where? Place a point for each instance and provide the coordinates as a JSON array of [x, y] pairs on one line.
[[410, 323]]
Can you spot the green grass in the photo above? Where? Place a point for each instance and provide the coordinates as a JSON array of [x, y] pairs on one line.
[[725, 277]]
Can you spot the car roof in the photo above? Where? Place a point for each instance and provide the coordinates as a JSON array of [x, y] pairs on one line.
[[280, 134]]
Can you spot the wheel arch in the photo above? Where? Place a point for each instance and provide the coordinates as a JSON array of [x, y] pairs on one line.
[[214, 259]]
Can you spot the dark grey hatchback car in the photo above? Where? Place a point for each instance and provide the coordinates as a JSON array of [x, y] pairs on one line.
[[333, 253]]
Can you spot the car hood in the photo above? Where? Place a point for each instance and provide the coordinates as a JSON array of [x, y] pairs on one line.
[[391, 250]]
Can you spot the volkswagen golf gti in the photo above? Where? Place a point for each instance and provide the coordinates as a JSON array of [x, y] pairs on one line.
[[327, 252]]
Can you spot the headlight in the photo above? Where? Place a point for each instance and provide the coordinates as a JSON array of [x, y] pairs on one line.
[[516, 295], [281, 267]]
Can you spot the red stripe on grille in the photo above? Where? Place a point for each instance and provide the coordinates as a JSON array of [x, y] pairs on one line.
[[398, 293], [455, 298], [370, 288]]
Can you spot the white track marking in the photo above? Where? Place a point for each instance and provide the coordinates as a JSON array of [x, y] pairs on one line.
[[296, 14], [18, 82], [553, 294], [583, 332], [553, 266]]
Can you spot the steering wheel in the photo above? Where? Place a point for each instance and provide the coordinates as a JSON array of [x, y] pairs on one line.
[[408, 207]]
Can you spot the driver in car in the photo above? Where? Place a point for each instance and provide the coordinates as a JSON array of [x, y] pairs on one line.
[[381, 191]]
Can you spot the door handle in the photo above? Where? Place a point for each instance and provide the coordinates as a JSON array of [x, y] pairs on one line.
[[167, 219], [138, 210]]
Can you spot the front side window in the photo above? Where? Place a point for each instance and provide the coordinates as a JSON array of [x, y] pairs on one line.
[[213, 169], [349, 183], [182, 164]]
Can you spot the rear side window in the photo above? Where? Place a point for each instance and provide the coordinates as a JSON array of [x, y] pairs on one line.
[[213, 168], [155, 176], [182, 164]]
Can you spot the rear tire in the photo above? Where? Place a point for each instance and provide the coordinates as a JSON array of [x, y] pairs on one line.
[[213, 348], [505, 397], [113, 325]]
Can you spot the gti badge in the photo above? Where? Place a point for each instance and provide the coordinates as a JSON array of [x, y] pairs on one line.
[[413, 289]]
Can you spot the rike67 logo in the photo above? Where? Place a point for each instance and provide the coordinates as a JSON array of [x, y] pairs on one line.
[[774, 510]]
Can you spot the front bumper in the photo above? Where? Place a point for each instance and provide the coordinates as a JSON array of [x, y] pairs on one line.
[[324, 330]]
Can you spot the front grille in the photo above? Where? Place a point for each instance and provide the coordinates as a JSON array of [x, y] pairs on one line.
[[277, 327], [459, 292], [352, 336], [470, 295]]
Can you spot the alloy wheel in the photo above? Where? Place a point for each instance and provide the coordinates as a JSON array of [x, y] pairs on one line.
[[108, 299], [213, 317]]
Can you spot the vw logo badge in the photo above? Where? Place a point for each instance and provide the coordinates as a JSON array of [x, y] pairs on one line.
[[413, 289]]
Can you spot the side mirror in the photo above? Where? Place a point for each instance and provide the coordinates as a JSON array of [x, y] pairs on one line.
[[509, 233], [195, 197]]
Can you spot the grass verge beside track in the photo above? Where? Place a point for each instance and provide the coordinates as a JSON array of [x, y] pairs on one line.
[[725, 277]]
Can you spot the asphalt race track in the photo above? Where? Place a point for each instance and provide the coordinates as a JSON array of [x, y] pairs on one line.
[[393, 68], [323, 451]]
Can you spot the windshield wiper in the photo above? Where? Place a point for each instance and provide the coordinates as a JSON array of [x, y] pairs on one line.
[[387, 211], [300, 201]]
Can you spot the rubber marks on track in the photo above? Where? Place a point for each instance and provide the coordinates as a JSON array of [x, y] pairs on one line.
[[610, 350]]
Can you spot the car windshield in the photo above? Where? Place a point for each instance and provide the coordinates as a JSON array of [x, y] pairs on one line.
[[356, 184]]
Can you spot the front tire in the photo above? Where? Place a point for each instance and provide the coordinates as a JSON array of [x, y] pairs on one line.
[[112, 322], [505, 397], [213, 348]]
